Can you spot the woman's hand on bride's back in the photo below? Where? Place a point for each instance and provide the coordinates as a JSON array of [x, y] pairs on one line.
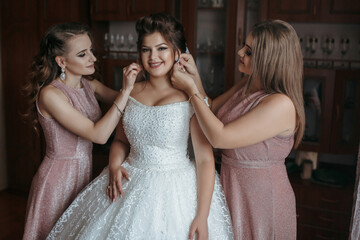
[[116, 174]]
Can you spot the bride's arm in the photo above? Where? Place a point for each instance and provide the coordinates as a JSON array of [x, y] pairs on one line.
[[205, 174], [118, 151]]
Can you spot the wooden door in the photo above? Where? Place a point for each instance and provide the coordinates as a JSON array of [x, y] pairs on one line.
[[19, 44], [293, 11]]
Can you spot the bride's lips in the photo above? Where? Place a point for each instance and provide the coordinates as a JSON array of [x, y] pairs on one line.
[[91, 66], [155, 64]]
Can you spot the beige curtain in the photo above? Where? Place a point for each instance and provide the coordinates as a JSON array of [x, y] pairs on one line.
[[355, 221]]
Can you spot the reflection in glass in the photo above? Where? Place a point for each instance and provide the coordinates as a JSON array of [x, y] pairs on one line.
[[349, 117], [312, 104], [210, 55]]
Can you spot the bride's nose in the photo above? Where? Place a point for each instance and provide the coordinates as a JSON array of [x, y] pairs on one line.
[[154, 54]]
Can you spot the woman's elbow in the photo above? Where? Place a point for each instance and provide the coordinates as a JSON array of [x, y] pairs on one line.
[[99, 139], [215, 142]]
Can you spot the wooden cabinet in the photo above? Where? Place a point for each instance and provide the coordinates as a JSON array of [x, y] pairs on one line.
[[346, 112], [332, 106], [52, 12], [339, 11], [126, 10], [322, 212], [22, 24], [293, 11], [326, 11]]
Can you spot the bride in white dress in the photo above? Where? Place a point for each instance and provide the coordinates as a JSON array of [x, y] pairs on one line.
[[151, 189]]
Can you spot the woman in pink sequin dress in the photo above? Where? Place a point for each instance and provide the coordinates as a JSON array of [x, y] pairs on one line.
[[63, 95], [257, 122]]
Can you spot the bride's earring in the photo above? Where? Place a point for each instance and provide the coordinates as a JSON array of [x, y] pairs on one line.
[[62, 75]]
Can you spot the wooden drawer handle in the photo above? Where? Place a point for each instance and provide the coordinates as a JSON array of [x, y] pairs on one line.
[[329, 200], [326, 219]]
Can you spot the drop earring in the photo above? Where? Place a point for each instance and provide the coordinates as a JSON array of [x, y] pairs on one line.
[[62, 75]]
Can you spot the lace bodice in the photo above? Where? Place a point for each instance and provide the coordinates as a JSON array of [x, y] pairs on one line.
[[158, 135]]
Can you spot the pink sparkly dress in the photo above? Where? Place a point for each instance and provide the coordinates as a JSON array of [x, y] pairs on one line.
[[66, 167], [257, 189]]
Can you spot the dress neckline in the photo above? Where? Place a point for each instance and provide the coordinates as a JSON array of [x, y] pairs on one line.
[[56, 82], [157, 106]]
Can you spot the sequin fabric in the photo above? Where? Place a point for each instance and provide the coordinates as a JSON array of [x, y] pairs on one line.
[[160, 200], [66, 167], [257, 189], [355, 219]]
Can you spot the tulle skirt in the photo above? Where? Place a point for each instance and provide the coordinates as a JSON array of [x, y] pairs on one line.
[[158, 203]]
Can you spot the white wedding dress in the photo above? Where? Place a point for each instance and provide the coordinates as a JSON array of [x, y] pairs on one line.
[[160, 200]]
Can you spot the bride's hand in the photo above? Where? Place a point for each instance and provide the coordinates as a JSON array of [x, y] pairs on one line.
[[199, 228], [116, 174], [129, 75]]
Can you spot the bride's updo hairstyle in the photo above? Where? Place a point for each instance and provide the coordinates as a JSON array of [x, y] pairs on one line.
[[168, 26]]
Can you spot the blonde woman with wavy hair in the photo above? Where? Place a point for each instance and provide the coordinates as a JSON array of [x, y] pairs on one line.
[[256, 123]]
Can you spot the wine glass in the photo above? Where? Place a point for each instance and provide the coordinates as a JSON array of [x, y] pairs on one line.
[[120, 43], [344, 45], [106, 44], [131, 42]]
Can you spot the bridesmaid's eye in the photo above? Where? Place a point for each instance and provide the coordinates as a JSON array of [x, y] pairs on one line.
[[248, 52]]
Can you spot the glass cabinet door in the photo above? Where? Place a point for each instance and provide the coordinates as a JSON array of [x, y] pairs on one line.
[[312, 103], [318, 97], [347, 112], [210, 44]]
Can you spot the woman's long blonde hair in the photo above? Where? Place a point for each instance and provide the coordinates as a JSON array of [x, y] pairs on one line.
[[277, 62]]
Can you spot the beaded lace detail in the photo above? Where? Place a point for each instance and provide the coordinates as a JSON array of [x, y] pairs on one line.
[[160, 200]]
